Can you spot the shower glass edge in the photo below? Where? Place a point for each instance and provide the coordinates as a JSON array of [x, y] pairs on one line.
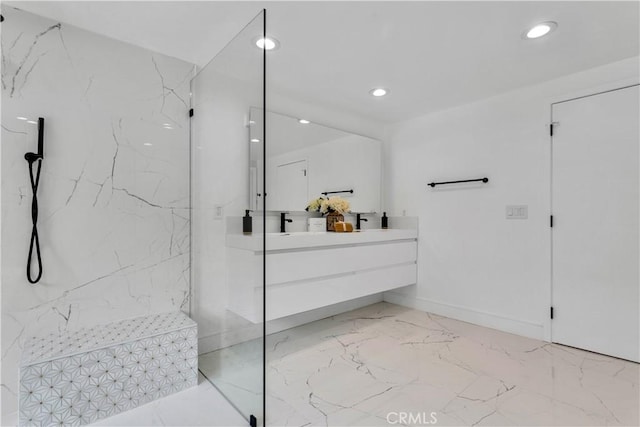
[[227, 298]]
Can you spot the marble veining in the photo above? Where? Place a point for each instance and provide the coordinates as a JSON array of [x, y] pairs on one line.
[[199, 406], [361, 367], [114, 192]]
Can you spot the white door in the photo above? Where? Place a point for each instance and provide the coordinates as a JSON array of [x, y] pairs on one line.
[[595, 196], [291, 186]]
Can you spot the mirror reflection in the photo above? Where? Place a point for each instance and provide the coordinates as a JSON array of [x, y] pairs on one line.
[[306, 160]]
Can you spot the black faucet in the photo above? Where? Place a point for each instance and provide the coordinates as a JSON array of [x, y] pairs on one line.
[[283, 221], [358, 219]]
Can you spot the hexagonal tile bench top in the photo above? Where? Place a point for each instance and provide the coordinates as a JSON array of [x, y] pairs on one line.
[[78, 377]]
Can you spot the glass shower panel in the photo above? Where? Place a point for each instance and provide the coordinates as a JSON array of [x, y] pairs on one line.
[[227, 257]]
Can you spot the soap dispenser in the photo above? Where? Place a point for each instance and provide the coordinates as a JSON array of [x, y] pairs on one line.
[[385, 220], [247, 224]]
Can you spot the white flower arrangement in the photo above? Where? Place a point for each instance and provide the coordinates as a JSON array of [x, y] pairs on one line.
[[330, 205]]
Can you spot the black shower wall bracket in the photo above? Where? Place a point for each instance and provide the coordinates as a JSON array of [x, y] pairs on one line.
[[34, 243]]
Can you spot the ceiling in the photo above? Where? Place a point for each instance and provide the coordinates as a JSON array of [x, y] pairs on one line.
[[432, 55]]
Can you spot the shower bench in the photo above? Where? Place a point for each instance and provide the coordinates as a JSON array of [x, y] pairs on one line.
[[78, 377]]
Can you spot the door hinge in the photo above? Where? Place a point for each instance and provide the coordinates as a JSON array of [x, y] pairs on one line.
[[551, 126], [191, 112], [551, 312], [253, 422], [551, 221]]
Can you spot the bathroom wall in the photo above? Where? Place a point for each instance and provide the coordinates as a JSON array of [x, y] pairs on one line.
[[220, 178], [473, 263], [114, 191]]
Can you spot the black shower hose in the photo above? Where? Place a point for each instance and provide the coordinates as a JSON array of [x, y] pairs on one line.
[[35, 241]]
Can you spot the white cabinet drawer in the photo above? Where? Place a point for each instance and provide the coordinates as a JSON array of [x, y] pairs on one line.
[[287, 299], [286, 267]]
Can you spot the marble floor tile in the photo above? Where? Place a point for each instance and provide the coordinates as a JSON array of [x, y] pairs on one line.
[[236, 372], [202, 405], [368, 366]]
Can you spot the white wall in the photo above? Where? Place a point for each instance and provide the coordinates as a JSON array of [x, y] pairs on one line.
[[220, 161], [474, 264], [114, 217]]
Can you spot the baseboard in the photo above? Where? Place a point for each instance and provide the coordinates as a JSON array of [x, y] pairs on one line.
[[228, 338], [466, 314]]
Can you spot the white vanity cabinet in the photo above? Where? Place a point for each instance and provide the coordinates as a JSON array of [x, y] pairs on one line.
[[306, 271]]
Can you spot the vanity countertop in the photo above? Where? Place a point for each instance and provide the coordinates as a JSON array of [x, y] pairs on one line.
[[299, 240]]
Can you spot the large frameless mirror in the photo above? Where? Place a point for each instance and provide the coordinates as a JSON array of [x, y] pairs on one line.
[[306, 160]]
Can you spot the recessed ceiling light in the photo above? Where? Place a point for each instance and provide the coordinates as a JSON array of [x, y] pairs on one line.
[[21, 118], [378, 92], [267, 43], [540, 30], [31, 121], [304, 121], [148, 144], [255, 140]]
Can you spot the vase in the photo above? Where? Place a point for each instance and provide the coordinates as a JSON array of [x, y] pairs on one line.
[[332, 218]]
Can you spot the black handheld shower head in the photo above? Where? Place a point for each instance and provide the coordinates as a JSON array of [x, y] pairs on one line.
[[35, 180]]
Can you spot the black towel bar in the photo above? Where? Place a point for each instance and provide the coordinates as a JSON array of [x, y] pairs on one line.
[[326, 193], [433, 184]]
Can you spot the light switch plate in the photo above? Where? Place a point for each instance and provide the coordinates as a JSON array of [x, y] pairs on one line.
[[218, 212], [517, 211]]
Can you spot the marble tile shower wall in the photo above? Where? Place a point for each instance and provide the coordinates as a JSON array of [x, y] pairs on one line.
[[114, 191]]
